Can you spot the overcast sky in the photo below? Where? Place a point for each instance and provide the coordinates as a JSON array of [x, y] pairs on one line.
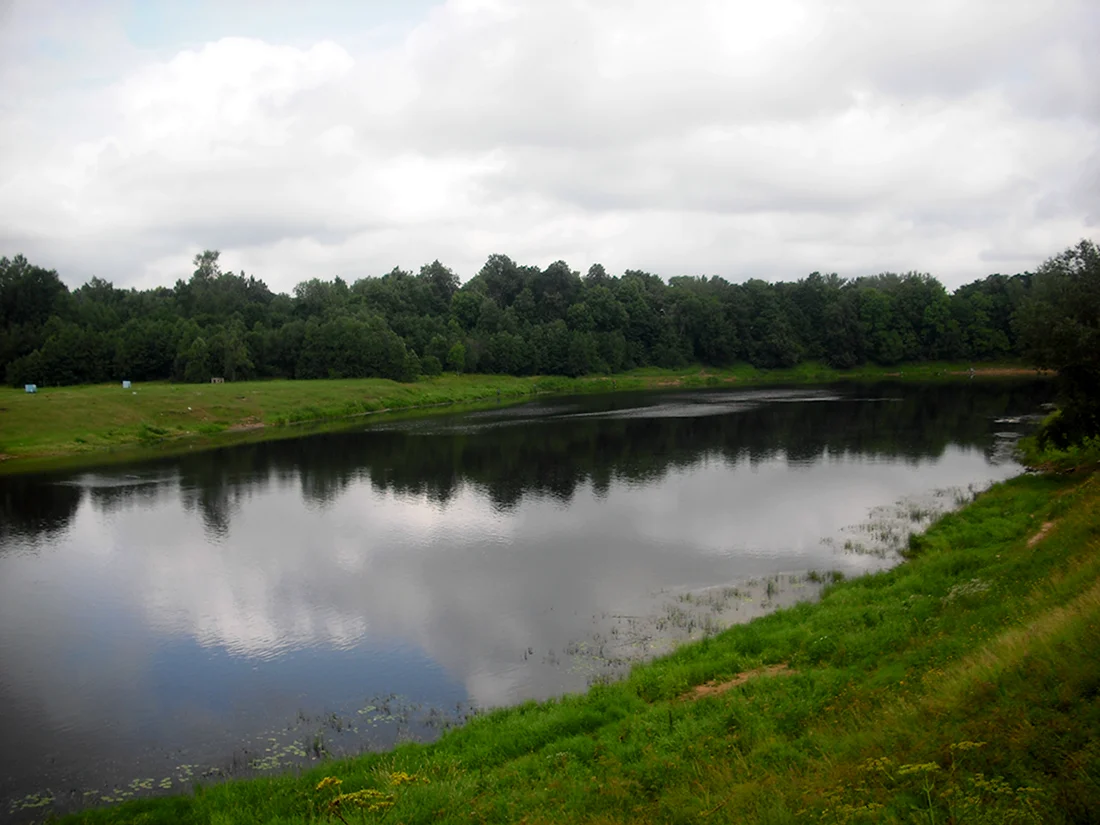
[[742, 139]]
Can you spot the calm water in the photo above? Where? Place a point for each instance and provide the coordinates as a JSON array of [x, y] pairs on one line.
[[250, 608]]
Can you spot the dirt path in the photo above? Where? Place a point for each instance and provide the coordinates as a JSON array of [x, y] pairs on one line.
[[1038, 537], [715, 688]]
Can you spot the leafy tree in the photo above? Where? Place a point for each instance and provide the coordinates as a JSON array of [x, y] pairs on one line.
[[878, 326], [842, 335], [554, 290], [196, 361], [144, 350], [1059, 327], [524, 307], [772, 341], [501, 279], [507, 353], [456, 357], [429, 365], [490, 317], [28, 294], [607, 311], [550, 344], [438, 348], [230, 354], [583, 355], [441, 284], [508, 318], [597, 276], [579, 318], [466, 308], [612, 350]]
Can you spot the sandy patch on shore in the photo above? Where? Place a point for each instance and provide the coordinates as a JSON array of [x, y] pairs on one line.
[[1004, 371], [245, 425]]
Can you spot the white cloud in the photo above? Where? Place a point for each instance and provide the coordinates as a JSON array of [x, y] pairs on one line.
[[741, 139]]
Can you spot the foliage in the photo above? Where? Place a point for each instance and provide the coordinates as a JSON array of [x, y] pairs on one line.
[[1042, 454], [1059, 329], [508, 319]]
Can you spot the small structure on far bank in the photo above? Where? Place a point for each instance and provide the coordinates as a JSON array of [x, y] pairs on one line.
[[30, 387], [217, 380], [125, 385]]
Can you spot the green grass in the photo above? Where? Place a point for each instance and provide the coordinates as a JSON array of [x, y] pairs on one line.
[[961, 686], [1083, 456], [65, 422]]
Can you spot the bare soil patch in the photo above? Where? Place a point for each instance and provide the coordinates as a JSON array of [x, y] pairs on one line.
[[715, 688], [246, 424], [1004, 371], [1038, 537]]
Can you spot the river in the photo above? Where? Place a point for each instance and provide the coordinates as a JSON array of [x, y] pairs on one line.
[[258, 607]]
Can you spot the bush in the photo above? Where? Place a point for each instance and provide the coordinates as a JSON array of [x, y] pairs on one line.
[[1039, 451], [431, 366]]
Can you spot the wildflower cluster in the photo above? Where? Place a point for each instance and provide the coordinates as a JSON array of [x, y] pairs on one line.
[[370, 800], [947, 790]]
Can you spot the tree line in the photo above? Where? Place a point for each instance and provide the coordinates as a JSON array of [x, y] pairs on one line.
[[509, 318]]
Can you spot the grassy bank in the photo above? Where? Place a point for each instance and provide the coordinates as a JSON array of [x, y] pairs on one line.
[[73, 421], [962, 686]]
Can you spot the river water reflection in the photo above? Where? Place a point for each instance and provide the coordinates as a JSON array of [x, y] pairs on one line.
[[252, 607]]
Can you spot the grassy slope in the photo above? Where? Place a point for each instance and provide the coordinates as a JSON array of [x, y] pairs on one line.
[[963, 686], [68, 421]]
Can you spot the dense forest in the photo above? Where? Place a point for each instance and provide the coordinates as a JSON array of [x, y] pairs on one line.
[[507, 319]]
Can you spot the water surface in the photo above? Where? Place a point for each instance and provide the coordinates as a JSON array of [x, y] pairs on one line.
[[255, 607]]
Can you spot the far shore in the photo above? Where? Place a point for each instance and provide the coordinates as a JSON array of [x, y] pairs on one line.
[[84, 425]]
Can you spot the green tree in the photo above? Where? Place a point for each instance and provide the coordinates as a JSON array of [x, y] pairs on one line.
[[878, 326], [608, 314], [456, 357], [230, 353], [507, 353], [1059, 327], [466, 308], [196, 359], [429, 365], [772, 341], [597, 275], [29, 296], [501, 279], [584, 357], [509, 318], [440, 283]]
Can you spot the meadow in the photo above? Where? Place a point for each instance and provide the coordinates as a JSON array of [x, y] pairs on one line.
[[91, 421]]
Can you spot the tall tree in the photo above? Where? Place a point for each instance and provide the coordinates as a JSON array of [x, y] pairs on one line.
[[1059, 326]]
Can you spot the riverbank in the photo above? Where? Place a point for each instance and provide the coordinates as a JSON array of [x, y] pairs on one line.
[[960, 686], [90, 422]]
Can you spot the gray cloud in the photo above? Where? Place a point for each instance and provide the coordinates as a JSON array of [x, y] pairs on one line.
[[709, 137]]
